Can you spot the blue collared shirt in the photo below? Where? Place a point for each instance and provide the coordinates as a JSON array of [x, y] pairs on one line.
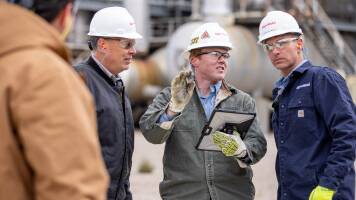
[[208, 102], [283, 81]]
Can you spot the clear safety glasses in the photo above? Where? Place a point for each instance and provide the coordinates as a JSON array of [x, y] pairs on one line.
[[124, 43], [278, 44], [216, 54]]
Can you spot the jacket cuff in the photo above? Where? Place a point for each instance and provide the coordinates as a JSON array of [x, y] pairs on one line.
[[245, 161], [166, 125], [330, 183]]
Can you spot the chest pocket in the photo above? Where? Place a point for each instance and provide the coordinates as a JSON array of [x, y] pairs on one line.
[[302, 115], [301, 101]]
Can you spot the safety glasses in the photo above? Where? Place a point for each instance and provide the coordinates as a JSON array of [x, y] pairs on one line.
[[278, 44], [216, 54], [124, 43]]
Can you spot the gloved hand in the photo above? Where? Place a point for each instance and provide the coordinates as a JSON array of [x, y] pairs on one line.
[[182, 87], [321, 193], [230, 145]]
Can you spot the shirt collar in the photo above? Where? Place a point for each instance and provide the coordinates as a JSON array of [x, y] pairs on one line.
[[106, 71], [213, 89], [297, 68], [283, 80], [216, 87], [303, 67]]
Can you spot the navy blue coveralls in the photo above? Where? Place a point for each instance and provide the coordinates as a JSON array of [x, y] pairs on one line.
[[314, 126]]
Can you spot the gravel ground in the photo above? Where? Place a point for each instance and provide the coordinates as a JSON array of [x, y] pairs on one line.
[[144, 186]]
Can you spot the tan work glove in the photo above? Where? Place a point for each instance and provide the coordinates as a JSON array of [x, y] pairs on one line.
[[182, 87], [230, 145]]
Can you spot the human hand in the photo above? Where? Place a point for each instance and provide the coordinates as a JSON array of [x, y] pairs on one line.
[[182, 87], [321, 193], [230, 145]]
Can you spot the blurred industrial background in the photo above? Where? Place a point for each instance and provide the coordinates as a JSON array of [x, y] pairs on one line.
[[329, 27]]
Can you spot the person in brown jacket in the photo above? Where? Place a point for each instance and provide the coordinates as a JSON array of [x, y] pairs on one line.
[[49, 146]]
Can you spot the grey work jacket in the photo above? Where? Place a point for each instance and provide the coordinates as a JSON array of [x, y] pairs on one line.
[[202, 175], [115, 127]]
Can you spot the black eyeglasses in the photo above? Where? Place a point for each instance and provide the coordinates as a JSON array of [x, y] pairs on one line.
[[216, 54]]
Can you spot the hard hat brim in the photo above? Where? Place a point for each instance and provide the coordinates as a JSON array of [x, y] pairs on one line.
[[276, 33], [186, 53]]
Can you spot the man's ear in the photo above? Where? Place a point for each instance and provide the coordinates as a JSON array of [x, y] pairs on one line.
[[101, 45], [194, 61], [67, 15], [64, 19], [300, 44]]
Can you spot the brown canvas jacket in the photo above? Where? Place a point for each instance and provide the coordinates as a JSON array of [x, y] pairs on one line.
[[48, 142]]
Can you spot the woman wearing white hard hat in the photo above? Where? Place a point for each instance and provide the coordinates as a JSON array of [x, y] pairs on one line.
[[178, 115], [314, 119], [112, 37]]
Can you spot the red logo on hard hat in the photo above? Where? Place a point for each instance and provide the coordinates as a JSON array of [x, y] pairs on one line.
[[205, 35], [220, 34], [268, 24]]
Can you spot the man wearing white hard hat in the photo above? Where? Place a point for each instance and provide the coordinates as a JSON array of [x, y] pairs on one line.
[[314, 120], [179, 113], [112, 37]]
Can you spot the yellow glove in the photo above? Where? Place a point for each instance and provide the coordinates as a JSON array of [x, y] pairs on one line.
[[230, 145], [321, 193], [182, 87]]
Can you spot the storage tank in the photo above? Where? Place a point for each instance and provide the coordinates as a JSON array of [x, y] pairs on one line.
[[145, 78]]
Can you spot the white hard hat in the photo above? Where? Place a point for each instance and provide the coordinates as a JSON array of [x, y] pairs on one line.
[[113, 22], [277, 23], [209, 35]]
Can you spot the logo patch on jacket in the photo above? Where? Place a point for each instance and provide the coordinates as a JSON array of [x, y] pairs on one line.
[[303, 86], [300, 113]]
